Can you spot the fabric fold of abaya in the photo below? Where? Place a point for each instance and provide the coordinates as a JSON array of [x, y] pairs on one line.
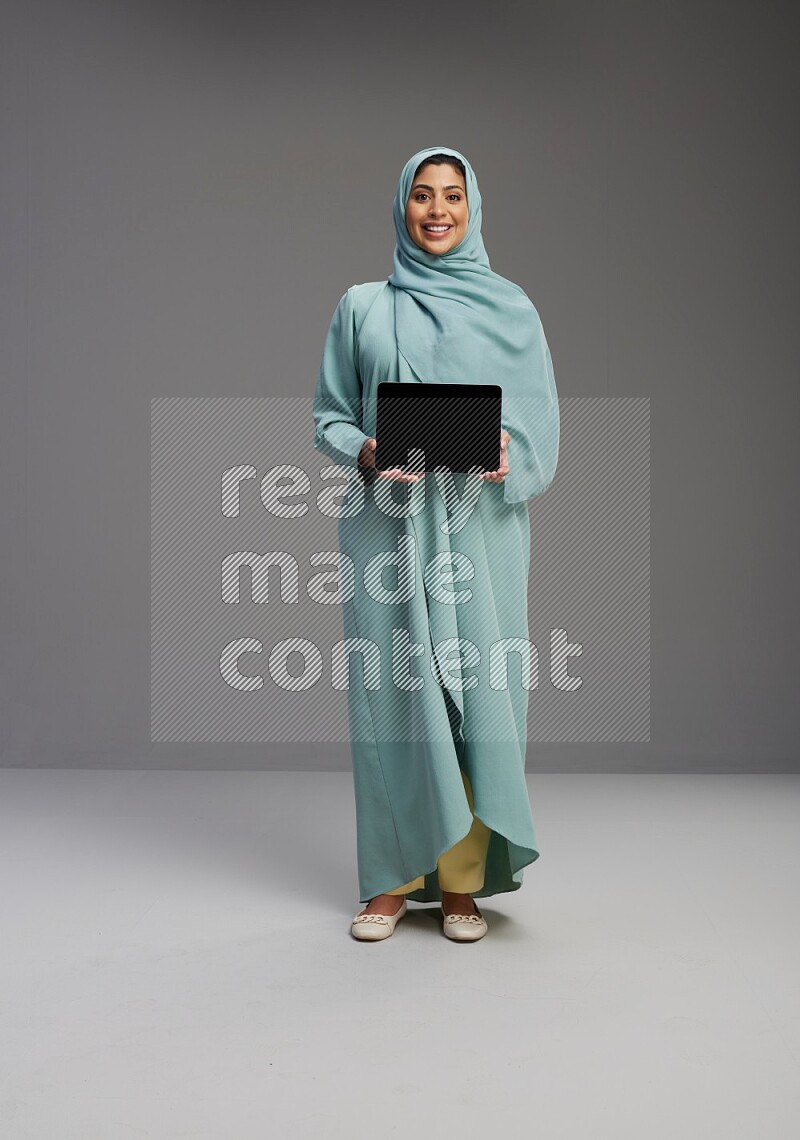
[[439, 677]]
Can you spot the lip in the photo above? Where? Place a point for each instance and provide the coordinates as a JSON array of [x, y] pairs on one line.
[[440, 233]]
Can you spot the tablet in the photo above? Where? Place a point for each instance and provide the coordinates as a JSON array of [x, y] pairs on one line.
[[455, 425]]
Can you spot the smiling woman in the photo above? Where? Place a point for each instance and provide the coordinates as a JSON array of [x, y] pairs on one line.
[[442, 808], [437, 211]]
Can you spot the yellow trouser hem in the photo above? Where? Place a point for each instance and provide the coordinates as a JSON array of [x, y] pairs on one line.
[[462, 868]]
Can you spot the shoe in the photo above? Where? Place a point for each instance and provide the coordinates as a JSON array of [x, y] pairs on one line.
[[464, 927], [372, 927]]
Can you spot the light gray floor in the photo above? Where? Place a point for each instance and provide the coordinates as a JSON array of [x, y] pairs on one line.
[[176, 962]]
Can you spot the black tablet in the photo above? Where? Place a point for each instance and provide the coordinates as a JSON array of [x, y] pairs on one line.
[[455, 425]]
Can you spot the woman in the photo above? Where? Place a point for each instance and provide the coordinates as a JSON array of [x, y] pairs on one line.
[[442, 808]]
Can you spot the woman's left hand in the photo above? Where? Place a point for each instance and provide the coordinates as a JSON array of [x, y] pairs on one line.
[[499, 475]]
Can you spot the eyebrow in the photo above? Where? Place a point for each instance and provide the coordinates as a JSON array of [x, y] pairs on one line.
[[422, 186]]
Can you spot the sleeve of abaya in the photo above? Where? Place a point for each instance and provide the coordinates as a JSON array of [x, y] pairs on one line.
[[532, 420], [337, 408]]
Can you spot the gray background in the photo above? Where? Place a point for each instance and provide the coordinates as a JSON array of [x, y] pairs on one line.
[[187, 190]]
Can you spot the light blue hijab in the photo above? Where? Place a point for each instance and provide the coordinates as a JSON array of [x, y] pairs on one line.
[[457, 321]]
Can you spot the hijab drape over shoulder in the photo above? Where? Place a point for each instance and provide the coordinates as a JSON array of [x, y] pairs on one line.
[[457, 321]]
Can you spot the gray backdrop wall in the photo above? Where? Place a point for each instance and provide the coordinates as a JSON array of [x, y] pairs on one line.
[[188, 189]]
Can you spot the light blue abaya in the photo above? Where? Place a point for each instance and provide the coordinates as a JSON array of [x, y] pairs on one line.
[[422, 705]]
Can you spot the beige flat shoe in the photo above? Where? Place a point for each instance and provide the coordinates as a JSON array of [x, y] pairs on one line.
[[372, 927], [464, 927]]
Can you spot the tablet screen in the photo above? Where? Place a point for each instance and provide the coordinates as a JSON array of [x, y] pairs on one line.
[[455, 425]]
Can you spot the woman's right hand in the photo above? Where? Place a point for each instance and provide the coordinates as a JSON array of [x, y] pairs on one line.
[[366, 459]]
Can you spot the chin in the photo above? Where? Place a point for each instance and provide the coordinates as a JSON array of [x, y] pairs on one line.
[[436, 247]]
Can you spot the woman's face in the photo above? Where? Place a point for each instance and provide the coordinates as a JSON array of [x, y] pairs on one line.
[[438, 199]]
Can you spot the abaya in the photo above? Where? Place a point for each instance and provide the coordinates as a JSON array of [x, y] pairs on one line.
[[440, 667]]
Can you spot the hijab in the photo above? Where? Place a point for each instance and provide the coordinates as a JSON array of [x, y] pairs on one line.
[[457, 321]]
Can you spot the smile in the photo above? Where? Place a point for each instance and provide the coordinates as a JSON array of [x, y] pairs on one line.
[[436, 229]]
